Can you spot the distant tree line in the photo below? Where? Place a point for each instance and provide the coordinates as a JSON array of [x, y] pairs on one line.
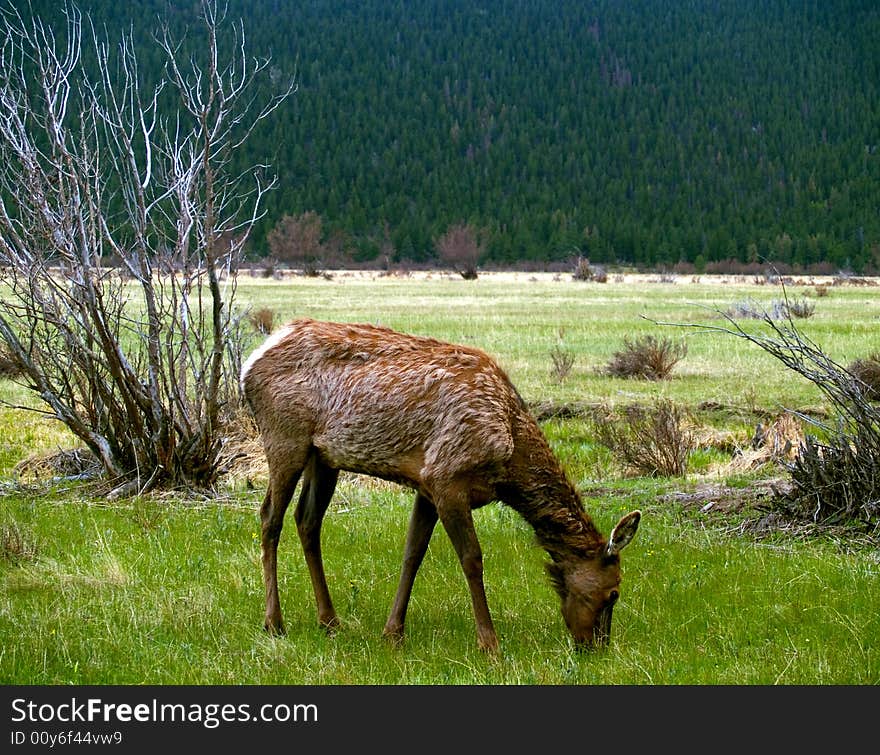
[[645, 133]]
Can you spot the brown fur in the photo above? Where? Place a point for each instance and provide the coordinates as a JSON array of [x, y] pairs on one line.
[[440, 418]]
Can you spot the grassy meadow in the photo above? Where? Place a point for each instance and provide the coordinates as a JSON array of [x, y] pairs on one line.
[[168, 590]]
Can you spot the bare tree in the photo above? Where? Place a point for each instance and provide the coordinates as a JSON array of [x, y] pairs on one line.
[[296, 240], [461, 248], [139, 360]]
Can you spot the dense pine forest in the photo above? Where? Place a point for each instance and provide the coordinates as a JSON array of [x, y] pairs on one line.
[[648, 133]]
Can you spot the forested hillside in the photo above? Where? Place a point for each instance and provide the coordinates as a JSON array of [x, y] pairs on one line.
[[645, 132]]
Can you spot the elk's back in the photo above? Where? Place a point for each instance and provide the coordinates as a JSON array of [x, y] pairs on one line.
[[379, 402]]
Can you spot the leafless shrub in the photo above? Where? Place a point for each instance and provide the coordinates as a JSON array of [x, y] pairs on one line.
[[140, 360], [262, 320], [751, 310], [837, 479], [584, 270], [269, 267], [867, 372], [562, 359], [296, 240], [654, 441], [243, 456], [461, 247], [779, 309], [801, 308], [647, 357]]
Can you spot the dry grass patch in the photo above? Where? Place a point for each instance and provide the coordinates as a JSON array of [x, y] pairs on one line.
[[16, 545], [778, 441]]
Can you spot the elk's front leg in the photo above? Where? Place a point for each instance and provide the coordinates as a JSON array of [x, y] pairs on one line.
[[421, 526], [454, 509]]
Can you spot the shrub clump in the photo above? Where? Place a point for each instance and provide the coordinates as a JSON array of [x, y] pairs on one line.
[[655, 441], [802, 308], [262, 320], [647, 357], [780, 309], [584, 271], [867, 373]]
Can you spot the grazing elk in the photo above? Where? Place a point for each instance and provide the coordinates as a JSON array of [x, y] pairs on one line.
[[439, 418]]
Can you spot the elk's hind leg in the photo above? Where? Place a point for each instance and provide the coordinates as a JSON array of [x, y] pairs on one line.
[[421, 525], [282, 482], [319, 483]]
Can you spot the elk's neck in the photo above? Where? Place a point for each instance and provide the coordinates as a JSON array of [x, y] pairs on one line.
[[544, 496]]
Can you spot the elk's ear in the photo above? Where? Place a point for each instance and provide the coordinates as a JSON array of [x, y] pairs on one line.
[[623, 532]]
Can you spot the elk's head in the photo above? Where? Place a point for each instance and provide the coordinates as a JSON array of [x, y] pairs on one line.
[[589, 588]]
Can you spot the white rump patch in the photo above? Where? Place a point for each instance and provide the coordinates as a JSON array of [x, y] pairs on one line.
[[270, 343]]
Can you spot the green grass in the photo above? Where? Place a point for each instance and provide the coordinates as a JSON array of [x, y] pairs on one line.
[[163, 593], [168, 591]]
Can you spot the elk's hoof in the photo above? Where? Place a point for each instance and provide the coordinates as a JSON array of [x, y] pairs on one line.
[[330, 625], [274, 629], [394, 635]]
